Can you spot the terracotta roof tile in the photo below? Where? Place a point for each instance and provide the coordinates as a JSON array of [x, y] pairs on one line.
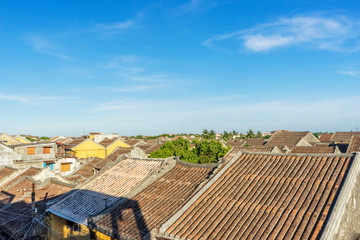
[[112, 157], [107, 141], [325, 137], [104, 190], [266, 197], [315, 149], [344, 136], [289, 139], [87, 170], [354, 145], [29, 172], [155, 204], [6, 171]]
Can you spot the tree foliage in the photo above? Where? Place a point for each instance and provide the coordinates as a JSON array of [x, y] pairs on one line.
[[203, 152]]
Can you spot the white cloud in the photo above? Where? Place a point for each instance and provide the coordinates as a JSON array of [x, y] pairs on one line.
[[261, 43], [43, 45], [197, 5], [351, 73], [16, 98], [128, 24], [31, 100], [336, 33]]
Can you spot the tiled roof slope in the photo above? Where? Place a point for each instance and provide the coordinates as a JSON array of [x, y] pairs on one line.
[[253, 142], [233, 151], [344, 136], [266, 196], [260, 149], [325, 137], [155, 204], [87, 170], [354, 145], [27, 173], [50, 191], [315, 149], [112, 157], [285, 138], [236, 142], [107, 141], [13, 193], [6, 171], [104, 190]]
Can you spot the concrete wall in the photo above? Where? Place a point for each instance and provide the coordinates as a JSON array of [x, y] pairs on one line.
[[8, 155], [344, 222], [22, 149], [138, 153]]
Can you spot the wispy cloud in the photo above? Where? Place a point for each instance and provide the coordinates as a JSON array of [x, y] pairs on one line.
[[16, 98], [336, 33], [136, 74], [197, 5], [351, 73], [117, 26], [30, 100], [233, 112], [45, 46]]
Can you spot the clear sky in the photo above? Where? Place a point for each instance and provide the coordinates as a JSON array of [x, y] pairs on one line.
[[142, 67]]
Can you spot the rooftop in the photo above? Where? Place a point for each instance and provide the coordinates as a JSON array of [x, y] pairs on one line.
[[155, 204], [344, 136], [104, 190], [354, 145], [265, 196]]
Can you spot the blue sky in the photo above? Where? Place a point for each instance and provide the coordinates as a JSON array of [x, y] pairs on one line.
[[141, 67]]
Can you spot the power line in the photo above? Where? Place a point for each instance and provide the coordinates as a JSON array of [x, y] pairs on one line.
[[12, 236], [32, 222], [15, 218]]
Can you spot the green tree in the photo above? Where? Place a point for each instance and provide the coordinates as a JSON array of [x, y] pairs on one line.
[[259, 134], [226, 136], [205, 134], [204, 152], [250, 134], [212, 134]]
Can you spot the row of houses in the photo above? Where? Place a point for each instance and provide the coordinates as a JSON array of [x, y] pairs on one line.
[[246, 196], [258, 190]]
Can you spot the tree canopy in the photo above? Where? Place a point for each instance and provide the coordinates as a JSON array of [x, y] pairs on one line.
[[203, 152]]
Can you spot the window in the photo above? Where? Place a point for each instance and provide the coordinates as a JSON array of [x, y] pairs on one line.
[[73, 226], [46, 150], [30, 151], [65, 167]]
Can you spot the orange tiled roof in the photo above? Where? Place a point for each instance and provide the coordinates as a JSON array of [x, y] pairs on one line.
[[266, 196], [289, 139], [344, 136], [325, 137], [107, 141], [314, 149], [30, 172], [354, 145], [155, 204], [104, 190], [6, 171]]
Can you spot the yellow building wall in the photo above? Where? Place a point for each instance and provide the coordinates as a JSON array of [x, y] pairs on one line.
[[59, 229], [10, 140], [114, 145], [89, 149], [22, 140]]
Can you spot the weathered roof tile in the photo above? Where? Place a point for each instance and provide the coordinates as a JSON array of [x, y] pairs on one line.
[[266, 196]]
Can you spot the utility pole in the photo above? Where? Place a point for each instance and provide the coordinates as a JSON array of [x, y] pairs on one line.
[[33, 211]]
